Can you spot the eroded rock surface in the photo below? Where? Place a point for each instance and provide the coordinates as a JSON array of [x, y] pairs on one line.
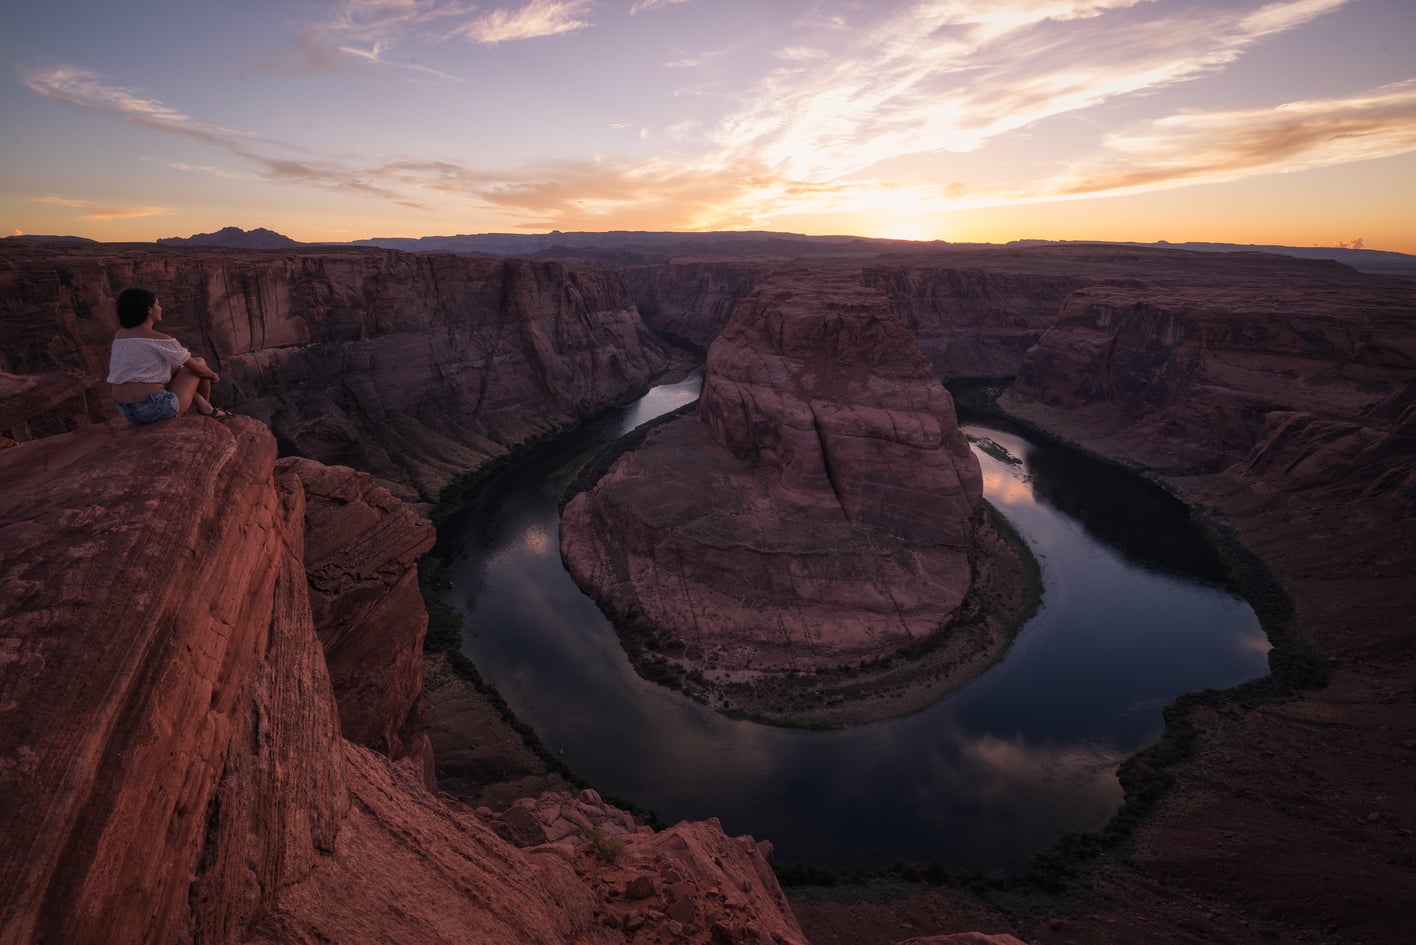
[[414, 368], [171, 766], [820, 508], [361, 555], [170, 743], [1188, 376]]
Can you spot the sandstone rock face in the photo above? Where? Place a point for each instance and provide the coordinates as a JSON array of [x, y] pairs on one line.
[[688, 883], [819, 510], [974, 322], [411, 368], [694, 300], [428, 872], [170, 743], [1277, 396], [1186, 376], [817, 382], [361, 551], [171, 768]]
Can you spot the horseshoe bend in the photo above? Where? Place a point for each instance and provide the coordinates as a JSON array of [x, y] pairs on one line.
[[819, 515]]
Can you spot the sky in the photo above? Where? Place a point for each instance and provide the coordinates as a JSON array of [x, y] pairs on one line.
[[1289, 122]]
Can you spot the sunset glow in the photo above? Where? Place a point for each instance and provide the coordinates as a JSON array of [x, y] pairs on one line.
[[1251, 121]]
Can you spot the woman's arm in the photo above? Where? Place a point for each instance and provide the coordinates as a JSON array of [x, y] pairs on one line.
[[198, 366]]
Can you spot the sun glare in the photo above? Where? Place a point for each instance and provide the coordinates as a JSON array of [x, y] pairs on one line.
[[899, 225]]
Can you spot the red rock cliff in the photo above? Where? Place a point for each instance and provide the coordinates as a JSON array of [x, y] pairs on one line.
[[171, 766], [414, 368], [361, 551], [1194, 374]]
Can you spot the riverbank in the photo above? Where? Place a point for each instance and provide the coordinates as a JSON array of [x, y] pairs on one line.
[[1267, 813], [1006, 590]]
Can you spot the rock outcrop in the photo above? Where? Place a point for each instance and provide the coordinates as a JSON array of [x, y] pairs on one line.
[[361, 552], [819, 510], [171, 765], [170, 742], [411, 368]]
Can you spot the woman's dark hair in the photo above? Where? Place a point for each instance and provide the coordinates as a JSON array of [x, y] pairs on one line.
[[133, 305]]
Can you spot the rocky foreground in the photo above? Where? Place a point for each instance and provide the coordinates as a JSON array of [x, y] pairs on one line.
[[174, 769], [818, 512]]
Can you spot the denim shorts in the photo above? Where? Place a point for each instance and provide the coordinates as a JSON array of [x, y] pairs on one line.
[[159, 405]]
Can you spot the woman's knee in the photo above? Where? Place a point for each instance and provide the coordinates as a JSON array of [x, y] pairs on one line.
[[184, 385]]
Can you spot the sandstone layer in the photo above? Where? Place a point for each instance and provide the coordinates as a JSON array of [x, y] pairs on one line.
[[361, 552], [818, 511], [412, 368], [173, 769], [1192, 377]]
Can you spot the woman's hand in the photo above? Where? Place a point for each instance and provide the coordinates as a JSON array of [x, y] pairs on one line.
[[198, 366]]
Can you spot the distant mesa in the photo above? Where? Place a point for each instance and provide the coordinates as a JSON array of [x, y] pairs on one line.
[[35, 238], [637, 247], [233, 237]]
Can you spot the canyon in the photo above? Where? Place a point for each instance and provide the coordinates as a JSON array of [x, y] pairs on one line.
[[414, 369], [235, 770]]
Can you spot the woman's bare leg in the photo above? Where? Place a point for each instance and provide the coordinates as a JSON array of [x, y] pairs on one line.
[[186, 386]]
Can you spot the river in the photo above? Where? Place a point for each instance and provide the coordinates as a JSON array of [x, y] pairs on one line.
[[1135, 612]]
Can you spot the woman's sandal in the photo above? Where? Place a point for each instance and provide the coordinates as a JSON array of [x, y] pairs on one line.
[[218, 414]]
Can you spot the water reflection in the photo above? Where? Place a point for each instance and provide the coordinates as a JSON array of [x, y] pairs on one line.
[[985, 778]]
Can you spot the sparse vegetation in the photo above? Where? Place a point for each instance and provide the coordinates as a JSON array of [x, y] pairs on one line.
[[604, 845]]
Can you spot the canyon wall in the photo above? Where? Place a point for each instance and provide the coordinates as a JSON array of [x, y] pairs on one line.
[[171, 761], [973, 322], [694, 300], [1278, 398], [170, 740], [1194, 377], [361, 560], [818, 511], [411, 368]]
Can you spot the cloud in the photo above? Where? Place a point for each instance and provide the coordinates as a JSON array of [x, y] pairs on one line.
[[86, 89], [936, 77], [536, 19], [802, 54], [91, 212], [950, 75], [1209, 147], [641, 5], [380, 21]]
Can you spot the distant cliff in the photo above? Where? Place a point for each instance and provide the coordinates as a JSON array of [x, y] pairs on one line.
[[411, 368], [1193, 375]]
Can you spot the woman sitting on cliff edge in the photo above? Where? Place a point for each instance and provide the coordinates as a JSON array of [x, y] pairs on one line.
[[152, 377]]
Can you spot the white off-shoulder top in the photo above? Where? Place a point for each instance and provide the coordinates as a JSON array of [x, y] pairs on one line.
[[145, 360]]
